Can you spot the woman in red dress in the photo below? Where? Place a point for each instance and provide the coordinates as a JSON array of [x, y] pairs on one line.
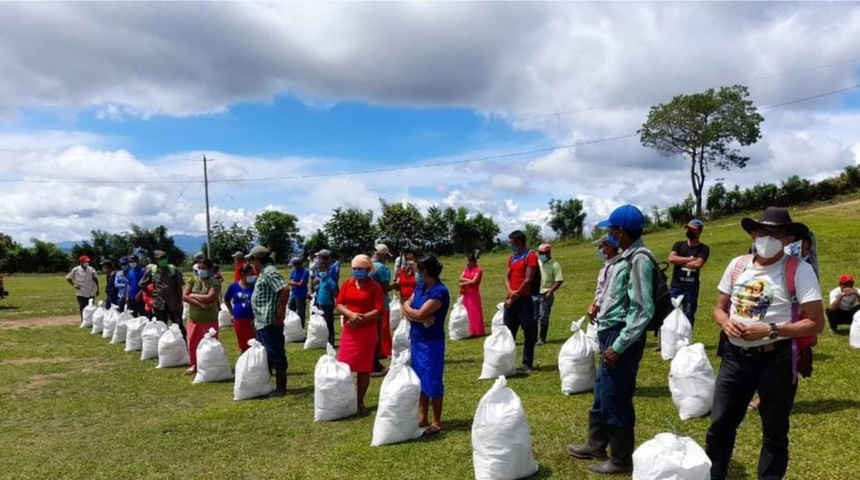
[[470, 289], [360, 302], [406, 279]]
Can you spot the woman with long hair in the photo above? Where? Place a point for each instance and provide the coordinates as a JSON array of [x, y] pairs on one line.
[[470, 289]]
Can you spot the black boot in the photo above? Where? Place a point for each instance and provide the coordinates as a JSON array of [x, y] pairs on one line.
[[598, 439], [621, 461], [280, 382], [542, 333]]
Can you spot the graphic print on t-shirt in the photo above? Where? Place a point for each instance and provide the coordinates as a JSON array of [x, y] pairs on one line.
[[752, 299]]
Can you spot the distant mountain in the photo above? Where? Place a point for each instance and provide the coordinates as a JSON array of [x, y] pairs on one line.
[[187, 243]]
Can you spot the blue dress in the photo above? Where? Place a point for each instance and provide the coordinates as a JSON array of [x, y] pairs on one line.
[[428, 343]]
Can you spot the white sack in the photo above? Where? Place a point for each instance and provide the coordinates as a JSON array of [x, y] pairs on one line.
[[152, 331], [501, 438], [397, 413], [334, 390], [458, 321], [293, 331], [692, 381], [670, 457], [134, 330], [591, 336], [99, 320], [212, 362], [498, 317], [110, 323], [400, 339], [396, 313], [224, 318], [120, 330], [576, 362], [854, 334], [172, 349], [500, 354], [252, 373], [676, 328], [87, 315], [317, 333]]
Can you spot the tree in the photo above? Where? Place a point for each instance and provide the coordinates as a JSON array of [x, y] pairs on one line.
[[567, 218], [400, 225], [278, 232], [705, 128], [351, 231], [437, 232], [534, 235], [6, 245], [316, 242], [227, 241], [470, 234]]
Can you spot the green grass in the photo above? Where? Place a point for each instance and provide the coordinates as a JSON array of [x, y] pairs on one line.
[[74, 406]]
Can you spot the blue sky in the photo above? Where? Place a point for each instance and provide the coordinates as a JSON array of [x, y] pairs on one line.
[[143, 90]]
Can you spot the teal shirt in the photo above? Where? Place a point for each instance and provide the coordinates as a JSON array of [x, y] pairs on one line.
[[628, 297], [382, 275]]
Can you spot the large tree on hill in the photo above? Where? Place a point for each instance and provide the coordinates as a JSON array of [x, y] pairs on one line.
[[279, 232], [567, 217], [351, 232], [227, 241], [707, 128], [400, 225]]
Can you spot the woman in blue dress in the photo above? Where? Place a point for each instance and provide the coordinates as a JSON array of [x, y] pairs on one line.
[[426, 309]]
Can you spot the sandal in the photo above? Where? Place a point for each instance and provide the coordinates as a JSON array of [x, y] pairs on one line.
[[753, 406], [363, 412], [423, 424], [432, 430]]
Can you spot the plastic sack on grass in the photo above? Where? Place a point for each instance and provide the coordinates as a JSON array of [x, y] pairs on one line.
[[252, 373], [692, 381], [133, 334], [334, 390], [400, 341], [110, 323], [172, 349], [317, 333], [576, 362], [458, 321], [99, 320], [501, 438], [854, 334], [152, 331], [87, 315], [500, 354], [498, 317], [676, 328], [591, 336], [120, 331], [293, 331], [670, 457], [212, 362], [224, 318], [397, 414], [396, 314]]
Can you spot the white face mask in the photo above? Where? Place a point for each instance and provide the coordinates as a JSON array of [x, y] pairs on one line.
[[767, 247]]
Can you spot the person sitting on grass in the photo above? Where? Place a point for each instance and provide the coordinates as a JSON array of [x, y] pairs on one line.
[[426, 309], [201, 295]]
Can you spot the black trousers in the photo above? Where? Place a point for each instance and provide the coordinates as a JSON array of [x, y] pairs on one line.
[[840, 317], [328, 315], [174, 316], [522, 314], [82, 303], [741, 375]]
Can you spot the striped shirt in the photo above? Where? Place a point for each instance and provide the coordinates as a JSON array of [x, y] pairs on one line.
[[267, 294], [627, 300]]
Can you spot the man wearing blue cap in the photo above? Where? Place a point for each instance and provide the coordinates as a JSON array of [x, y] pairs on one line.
[[622, 316], [688, 257]]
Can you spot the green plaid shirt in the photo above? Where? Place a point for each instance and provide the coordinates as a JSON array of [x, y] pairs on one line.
[[267, 294]]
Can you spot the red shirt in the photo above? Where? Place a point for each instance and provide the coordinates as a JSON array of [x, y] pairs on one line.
[[237, 273], [517, 265], [407, 283], [361, 300]]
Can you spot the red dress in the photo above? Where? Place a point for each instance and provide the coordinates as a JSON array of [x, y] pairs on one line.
[[358, 345], [407, 284]]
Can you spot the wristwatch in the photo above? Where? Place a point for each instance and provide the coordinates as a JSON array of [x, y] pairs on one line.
[[774, 334]]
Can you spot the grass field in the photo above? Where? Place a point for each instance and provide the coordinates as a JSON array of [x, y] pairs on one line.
[[73, 406]]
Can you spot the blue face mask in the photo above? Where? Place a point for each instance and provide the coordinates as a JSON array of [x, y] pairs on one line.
[[601, 254], [124, 268], [543, 258], [612, 241], [251, 279], [419, 279], [203, 273], [359, 274], [514, 249]]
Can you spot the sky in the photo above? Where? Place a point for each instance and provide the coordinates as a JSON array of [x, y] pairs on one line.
[[107, 109]]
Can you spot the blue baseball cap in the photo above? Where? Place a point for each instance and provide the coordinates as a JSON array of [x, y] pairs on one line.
[[627, 217], [696, 223]]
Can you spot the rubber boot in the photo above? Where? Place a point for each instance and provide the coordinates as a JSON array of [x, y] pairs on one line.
[[280, 382], [542, 333], [598, 439], [621, 441]]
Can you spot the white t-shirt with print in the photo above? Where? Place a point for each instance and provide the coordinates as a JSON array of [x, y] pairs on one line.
[[848, 302], [759, 295]]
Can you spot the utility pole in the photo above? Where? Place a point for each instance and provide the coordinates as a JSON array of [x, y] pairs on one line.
[[206, 189]]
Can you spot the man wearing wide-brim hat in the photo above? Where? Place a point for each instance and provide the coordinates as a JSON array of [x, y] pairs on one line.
[[764, 327]]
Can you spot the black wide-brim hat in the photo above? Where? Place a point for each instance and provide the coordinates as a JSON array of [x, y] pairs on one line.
[[776, 217]]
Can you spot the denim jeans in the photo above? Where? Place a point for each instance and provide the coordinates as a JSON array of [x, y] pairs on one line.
[[690, 303], [543, 308], [740, 377], [272, 338], [298, 305], [521, 314], [614, 387]]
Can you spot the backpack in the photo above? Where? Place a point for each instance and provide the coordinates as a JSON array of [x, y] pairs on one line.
[[801, 347], [660, 291]]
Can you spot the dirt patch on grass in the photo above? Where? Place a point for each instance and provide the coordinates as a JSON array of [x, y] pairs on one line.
[[43, 322], [37, 383], [31, 361]]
